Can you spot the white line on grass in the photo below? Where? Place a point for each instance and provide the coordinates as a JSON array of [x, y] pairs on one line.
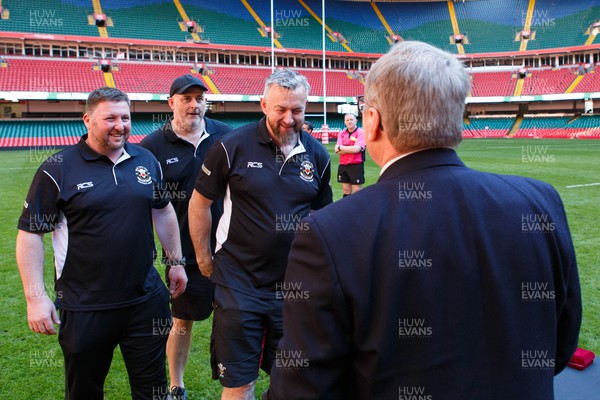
[[587, 184]]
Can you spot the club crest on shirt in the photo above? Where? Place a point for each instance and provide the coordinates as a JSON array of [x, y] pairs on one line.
[[222, 370], [143, 175], [307, 171]]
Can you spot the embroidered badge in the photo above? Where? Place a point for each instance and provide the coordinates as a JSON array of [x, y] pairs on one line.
[[143, 175], [307, 171], [222, 370]]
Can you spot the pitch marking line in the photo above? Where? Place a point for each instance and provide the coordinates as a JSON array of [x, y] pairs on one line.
[[587, 184]]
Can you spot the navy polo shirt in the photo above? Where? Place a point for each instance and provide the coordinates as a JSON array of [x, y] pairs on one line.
[[180, 162], [100, 216], [266, 196]]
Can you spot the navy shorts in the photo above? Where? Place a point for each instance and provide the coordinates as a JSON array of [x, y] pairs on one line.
[[89, 338], [195, 304], [351, 173], [237, 353]]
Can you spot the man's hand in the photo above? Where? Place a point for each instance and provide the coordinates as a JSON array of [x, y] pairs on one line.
[[205, 263], [178, 280], [42, 315]]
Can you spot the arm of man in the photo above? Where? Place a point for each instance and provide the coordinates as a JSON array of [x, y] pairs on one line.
[[349, 149], [167, 230], [200, 222], [41, 312], [318, 329]]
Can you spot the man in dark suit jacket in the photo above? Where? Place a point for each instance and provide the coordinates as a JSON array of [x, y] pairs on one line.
[[452, 284]]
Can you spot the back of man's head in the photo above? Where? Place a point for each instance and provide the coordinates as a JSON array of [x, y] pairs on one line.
[[420, 93], [103, 94]]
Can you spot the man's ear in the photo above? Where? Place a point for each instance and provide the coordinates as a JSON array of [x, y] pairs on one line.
[[86, 120], [372, 124], [171, 102], [263, 105]]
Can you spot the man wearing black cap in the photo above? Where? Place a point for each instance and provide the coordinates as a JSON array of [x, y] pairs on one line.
[[180, 146]]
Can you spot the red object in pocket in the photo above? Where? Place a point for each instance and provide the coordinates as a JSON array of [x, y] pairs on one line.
[[581, 359]]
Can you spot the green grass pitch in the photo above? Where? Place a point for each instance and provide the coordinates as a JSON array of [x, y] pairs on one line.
[[32, 365]]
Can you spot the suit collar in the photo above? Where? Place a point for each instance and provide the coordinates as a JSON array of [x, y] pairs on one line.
[[420, 160]]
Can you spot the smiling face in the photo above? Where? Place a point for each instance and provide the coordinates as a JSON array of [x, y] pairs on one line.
[[284, 109], [109, 127], [188, 109]]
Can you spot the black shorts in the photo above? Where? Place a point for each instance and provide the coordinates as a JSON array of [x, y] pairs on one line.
[[195, 304], [236, 354], [351, 173], [89, 338]]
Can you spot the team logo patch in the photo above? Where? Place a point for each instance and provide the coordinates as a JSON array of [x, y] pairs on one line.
[[222, 370], [307, 171], [143, 175]]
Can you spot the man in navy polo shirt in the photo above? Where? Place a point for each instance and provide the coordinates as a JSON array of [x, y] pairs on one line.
[[271, 173], [100, 199], [181, 146]]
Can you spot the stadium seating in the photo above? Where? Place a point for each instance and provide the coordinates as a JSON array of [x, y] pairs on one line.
[[148, 78], [487, 30], [562, 23], [49, 16], [590, 82], [548, 81], [479, 127], [138, 19], [64, 132], [582, 127], [492, 84], [225, 22], [42, 75]]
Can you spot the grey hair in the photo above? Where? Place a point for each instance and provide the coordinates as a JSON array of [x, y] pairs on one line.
[[420, 93], [287, 79], [103, 94]]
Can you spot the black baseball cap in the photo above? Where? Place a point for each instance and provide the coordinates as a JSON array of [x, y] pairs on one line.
[[185, 82]]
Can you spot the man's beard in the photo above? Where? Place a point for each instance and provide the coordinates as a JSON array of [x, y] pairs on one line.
[[289, 137]]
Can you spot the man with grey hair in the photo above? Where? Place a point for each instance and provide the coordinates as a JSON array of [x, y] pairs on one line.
[[446, 287], [271, 174]]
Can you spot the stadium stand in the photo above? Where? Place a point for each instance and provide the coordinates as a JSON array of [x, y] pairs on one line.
[[487, 127], [35, 75], [157, 20], [492, 84], [49, 16], [476, 22], [590, 82], [427, 22], [225, 22], [548, 81], [148, 78], [581, 127], [562, 23]]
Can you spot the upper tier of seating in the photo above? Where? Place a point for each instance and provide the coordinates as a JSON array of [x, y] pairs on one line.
[[489, 26], [45, 75]]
